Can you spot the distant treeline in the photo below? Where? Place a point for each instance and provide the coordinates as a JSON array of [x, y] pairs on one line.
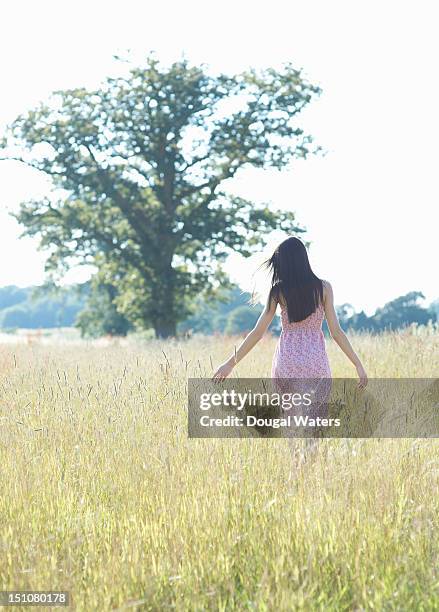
[[235, 315], [42, 307], [38, 307], [396, 314]]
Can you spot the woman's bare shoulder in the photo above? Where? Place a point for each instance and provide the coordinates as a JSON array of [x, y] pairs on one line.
[[327, 288]]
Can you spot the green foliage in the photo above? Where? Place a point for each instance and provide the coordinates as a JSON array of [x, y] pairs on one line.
[[100, 317], [138, 168], [396, 314], [242, 319], [402, 311], [211, 316]]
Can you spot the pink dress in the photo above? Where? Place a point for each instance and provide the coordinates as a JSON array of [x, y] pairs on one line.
[[300, 365], [301, 350]]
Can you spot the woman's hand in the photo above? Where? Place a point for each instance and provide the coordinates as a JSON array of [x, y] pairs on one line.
[[362, 383], [223, 371]]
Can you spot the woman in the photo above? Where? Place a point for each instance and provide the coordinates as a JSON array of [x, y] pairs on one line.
[[305, 300]]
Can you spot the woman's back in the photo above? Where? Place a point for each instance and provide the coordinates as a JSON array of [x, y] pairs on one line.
[[312, 323], [301, 349]]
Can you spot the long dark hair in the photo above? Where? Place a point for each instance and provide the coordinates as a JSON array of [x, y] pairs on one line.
[[294, 280]]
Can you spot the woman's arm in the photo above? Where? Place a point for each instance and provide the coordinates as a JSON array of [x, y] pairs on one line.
[[249, 341], [338, 334]]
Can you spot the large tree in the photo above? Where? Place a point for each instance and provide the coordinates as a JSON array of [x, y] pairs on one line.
[[139, 170]]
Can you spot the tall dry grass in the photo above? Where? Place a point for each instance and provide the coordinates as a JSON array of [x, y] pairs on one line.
[[102, 494]]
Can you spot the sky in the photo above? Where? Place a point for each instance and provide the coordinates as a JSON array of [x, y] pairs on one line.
[[370, 205]]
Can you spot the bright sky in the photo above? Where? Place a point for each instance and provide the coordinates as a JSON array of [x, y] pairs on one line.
[[370, 205]]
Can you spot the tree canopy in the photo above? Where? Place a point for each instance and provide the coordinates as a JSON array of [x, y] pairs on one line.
[[140, 167]]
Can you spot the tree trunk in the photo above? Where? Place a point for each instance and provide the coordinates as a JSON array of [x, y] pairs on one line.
[[165, 317], [165, 329]]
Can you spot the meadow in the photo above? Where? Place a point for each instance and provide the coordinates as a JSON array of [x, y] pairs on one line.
[[103, 494]]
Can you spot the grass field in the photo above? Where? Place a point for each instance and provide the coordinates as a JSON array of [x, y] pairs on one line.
[[102, 494]]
